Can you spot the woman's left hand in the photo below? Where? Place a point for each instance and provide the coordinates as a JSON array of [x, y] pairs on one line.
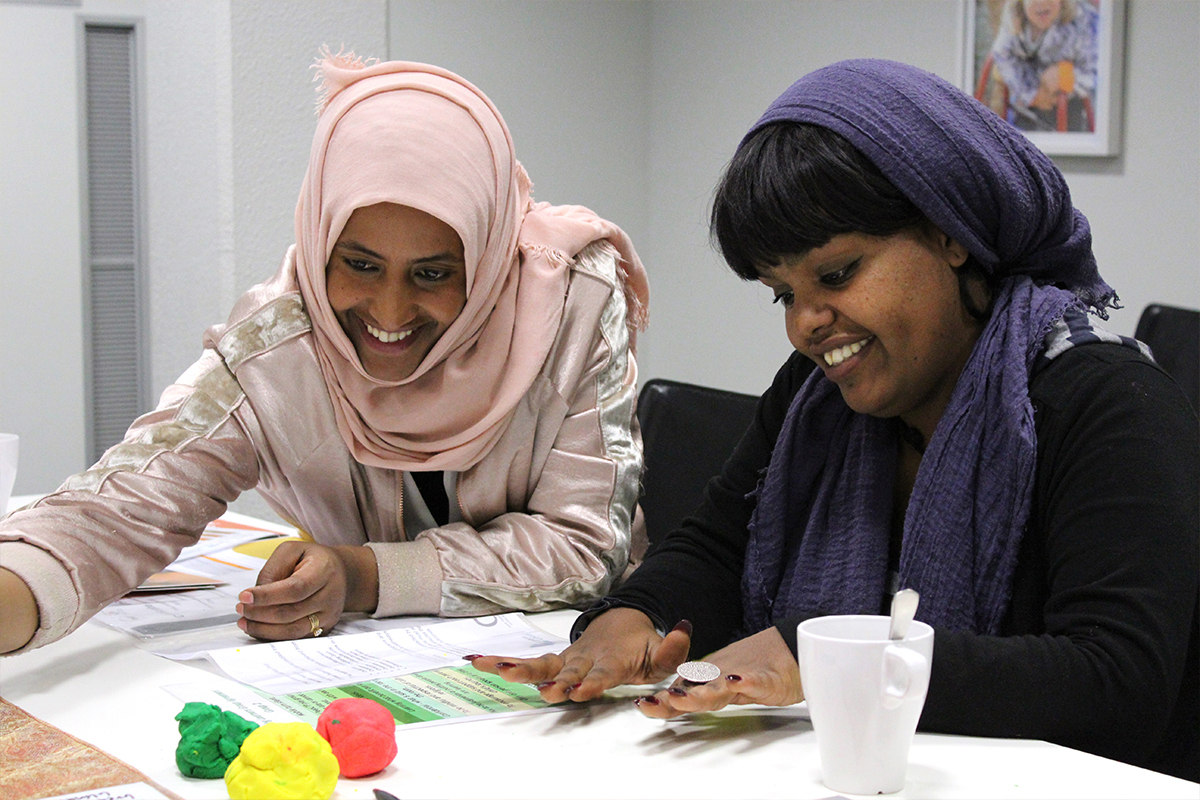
[[303, 581], [757, 669]]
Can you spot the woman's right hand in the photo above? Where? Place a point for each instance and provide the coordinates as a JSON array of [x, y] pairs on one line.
[[618, 647], [305, 585]]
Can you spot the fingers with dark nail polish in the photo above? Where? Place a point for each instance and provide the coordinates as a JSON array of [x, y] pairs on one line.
[[675, 690], [683, 625], [472, 657], [504, 664], [545, 685], [649, 700], [733, 678]]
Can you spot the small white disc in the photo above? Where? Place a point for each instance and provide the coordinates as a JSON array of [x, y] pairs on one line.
[[698, 671]]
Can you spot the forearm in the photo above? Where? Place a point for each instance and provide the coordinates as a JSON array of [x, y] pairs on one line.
[[695, 573], [695, 576], [106, 529], [362, 577], [20, 618]]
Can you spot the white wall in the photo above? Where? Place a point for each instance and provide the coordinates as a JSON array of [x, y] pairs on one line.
[[41, 354], [710, 67], [1144, 206], [228, 119], [274, 44], [716, 66], [41, 339], [187, 175], [570, 79], [631, 108], [234, 79]]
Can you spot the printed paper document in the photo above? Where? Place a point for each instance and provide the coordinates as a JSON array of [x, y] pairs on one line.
[[308, 664]]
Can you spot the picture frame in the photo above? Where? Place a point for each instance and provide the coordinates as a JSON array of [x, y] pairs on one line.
[[1065, 62]]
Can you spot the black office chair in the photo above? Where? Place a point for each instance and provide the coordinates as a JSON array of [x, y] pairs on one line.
[[689, 432], [1174, 338]]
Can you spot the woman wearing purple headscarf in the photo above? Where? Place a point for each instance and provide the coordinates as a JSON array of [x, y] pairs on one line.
[[967, 433]]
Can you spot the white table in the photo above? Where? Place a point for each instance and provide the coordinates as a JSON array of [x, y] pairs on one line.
[[96, 685]]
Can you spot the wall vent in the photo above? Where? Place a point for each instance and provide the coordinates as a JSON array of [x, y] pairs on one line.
[[113, 308]]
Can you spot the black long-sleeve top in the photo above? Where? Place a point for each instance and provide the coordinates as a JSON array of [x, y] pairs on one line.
[[1099, 647]]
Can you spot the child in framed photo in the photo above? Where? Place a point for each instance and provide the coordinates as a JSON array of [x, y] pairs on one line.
[[1046, 54]]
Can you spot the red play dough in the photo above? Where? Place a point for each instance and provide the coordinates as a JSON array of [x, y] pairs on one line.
[[362, 734]]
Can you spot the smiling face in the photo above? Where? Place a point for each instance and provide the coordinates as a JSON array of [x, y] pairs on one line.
[[396, 281], [882, 316], [1042, 13]]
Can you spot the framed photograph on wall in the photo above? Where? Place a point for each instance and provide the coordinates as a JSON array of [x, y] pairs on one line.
[[1052, 68]]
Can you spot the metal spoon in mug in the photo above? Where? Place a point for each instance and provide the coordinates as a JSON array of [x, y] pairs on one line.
[[904, 608]]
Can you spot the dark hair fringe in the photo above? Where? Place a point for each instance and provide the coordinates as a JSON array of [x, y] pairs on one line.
[[792, 187]]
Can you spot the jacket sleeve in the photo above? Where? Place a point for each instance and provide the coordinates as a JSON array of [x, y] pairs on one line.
[[565, 534], [1098, 656], [107, 529]]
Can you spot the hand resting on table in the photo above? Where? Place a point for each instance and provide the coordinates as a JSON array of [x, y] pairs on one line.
[[758, 669], [621, 647], [303, 578]]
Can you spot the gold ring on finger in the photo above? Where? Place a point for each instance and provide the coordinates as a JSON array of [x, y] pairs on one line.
[[315, 623]]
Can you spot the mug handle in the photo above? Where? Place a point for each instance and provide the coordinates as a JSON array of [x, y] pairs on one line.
[[903, 671]]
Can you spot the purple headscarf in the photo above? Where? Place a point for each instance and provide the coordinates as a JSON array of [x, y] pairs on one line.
[[972, 174], [821, 527]]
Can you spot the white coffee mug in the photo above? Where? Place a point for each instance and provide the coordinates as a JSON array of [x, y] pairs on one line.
[[865, 693], [8, 468]]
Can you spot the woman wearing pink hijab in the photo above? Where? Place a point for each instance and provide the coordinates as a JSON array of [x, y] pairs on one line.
[[437, 386]]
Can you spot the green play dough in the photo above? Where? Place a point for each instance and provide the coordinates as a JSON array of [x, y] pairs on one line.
[[209, 739]]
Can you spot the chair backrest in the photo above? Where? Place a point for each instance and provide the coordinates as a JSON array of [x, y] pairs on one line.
[[688, 432], [1174, 338]]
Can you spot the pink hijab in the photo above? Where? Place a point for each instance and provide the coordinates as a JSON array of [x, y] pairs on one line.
[[420, 136]]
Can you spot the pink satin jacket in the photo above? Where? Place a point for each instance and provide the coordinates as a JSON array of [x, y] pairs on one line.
[[547, 514]]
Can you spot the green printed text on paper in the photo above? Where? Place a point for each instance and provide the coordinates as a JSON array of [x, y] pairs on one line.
[[435, 695]]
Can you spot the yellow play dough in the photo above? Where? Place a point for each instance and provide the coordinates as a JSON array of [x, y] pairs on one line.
[[283, 761]]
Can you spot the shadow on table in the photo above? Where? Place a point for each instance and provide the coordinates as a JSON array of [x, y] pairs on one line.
[[750, 729], [614, 701], [693, 734]]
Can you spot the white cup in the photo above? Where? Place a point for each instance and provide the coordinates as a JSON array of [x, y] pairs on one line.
[[865, 693], [8, 468]]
